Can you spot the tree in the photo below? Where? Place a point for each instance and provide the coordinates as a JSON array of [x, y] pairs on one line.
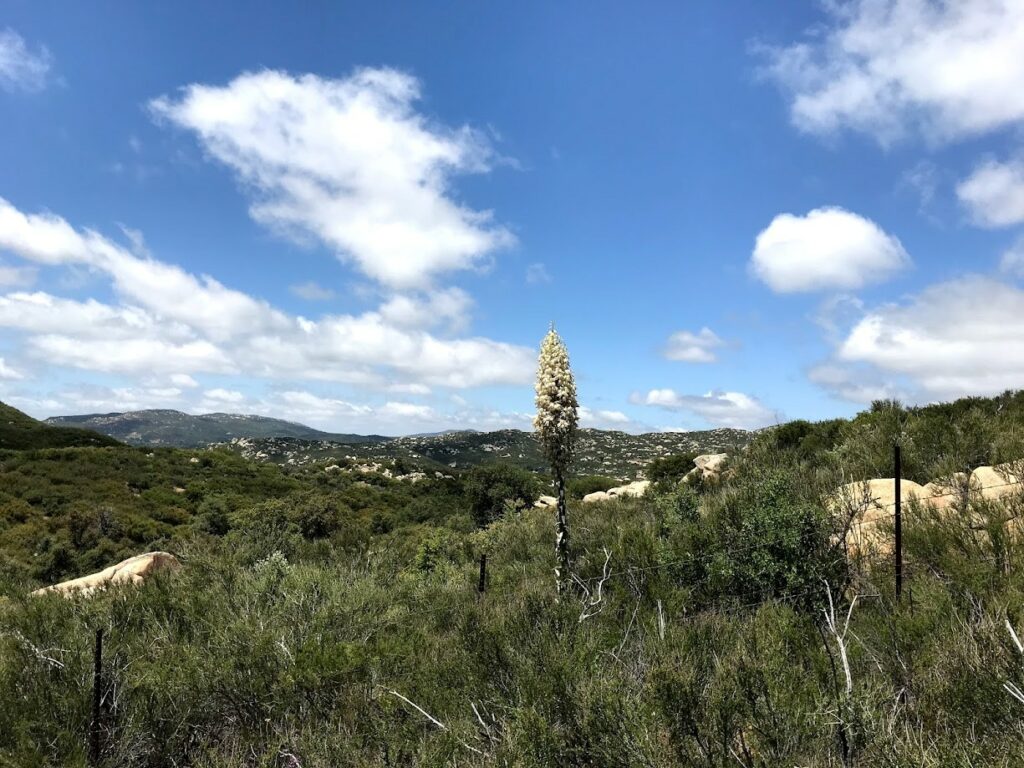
[[491, 488], [556, 422]]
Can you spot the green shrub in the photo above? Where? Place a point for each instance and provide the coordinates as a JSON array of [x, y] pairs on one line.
[[491, 488], [669, 470], [578, 487]]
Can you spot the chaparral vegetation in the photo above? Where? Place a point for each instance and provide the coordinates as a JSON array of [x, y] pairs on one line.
[[331, 617]]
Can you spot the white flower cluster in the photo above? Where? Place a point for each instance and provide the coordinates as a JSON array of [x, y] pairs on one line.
[[557, 416]]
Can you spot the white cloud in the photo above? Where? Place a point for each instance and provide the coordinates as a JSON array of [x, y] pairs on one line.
[[184, 380], [450, 306], [883, 67], [994, 193], [306, 405], [1012, 260], [311, 291], [829, 248], [856, 383], [964, 337], [723, 409], [128, 356], [410, 389], [407, 411], [8, 373], [175, 323], [688, 347], [392, 417], [604, 419], [220, 395], [350, 162], [16, 277], [537, 273], [167, 290], [99, 399], [21, 68]]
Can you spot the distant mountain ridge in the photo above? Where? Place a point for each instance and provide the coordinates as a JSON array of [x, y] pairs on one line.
[[598, 452], [165, 427], [604, 452]]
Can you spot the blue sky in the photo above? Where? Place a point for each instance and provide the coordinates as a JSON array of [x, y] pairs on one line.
[[365, 217]]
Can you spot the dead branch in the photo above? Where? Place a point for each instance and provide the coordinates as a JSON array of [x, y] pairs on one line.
[[593, 598]]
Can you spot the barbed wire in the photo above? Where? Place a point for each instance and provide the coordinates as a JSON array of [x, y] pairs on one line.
[[911, 496]]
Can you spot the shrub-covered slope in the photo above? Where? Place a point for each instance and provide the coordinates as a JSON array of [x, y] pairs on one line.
[[334, 618], [599, 452], [18, 431], [163, 427]]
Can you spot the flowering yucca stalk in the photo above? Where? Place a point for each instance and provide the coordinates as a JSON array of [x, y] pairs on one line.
[[555, 423]]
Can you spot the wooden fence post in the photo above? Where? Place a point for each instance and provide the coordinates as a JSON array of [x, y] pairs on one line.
[[95, 744], [897, 467], [482, 584]]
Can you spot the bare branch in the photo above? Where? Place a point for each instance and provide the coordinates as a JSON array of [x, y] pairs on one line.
[[593, 598], [431, 718]]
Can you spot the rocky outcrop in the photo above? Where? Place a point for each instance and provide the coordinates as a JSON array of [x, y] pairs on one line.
[[707, 467], [996, 483], [634, 489], [545, 501], [871, 503], [134, 570]]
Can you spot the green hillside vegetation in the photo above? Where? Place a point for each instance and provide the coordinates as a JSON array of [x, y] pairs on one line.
[[333, 619], [607, 453], [164, 427], [19, 431]]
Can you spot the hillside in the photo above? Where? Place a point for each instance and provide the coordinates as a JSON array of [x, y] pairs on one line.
[[183, 430], [19, 431], [599, 452], [332, 617]]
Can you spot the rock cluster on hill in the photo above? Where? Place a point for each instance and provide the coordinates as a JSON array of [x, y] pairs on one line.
[[134, 570], [871, 503], [636, 488]]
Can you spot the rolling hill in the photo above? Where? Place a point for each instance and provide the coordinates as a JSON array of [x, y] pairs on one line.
[[19, 431], [604, 452], [599, 452], [174, 428]]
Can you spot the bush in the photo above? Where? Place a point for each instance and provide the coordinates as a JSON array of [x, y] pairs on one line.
[[490, 488], [578, 487], [758, 539], [669, 470]]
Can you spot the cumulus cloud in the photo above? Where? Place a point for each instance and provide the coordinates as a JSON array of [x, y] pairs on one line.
[[221, 395], [722, 409], [350, 162], [21, 67], [885, 67], [994, 193], [857, 383], [688, 347], [172, 322], [8, 373], [829, 248], [604, 419], [90, 398], [964, 337], [390, 417], [312, 291], [449, 307], [164, 289]]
